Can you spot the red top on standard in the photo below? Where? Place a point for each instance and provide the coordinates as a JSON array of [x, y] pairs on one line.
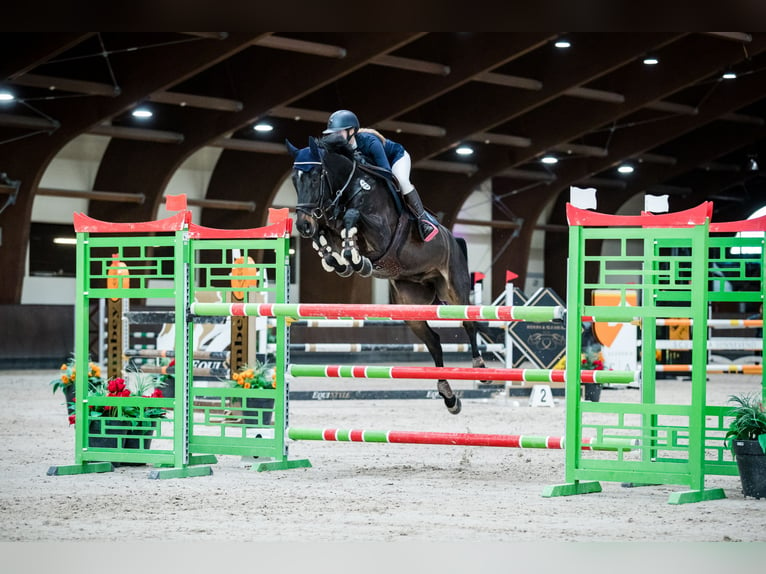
[[280, 224]]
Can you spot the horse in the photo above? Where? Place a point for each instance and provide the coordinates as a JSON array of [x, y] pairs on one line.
[[358, 225]]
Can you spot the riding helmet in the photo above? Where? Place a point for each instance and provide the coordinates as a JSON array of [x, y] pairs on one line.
[[342, 120]]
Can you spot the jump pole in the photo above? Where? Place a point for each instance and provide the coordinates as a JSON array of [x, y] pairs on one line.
[[456, 439], [397, 312], [471, 374]]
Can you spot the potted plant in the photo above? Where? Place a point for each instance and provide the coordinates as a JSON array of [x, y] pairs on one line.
[[592, 360], [261, 375], [746, 437], [66, 378], [128, 421]]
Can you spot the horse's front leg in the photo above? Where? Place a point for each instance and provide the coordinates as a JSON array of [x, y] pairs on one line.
[[331, 259], [349, 233]]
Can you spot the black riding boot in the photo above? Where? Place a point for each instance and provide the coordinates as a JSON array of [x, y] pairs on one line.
[[427, 227]]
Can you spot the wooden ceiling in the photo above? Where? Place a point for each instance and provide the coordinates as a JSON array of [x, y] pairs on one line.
[[512, 97]]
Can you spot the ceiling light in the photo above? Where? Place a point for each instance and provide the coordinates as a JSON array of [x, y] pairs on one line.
[[562, 43], [263, 127], [752, 165], [549, 159], [625, 168], [6, 96], [651, 61], [464, 150], [729, 75], [65, 240], [142, 113]]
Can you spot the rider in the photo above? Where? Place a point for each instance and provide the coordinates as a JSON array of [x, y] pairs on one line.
[[388, 155]]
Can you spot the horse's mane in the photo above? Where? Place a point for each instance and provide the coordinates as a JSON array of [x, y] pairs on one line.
[[334, 143]]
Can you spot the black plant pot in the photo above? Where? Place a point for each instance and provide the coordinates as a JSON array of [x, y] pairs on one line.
[[125, 436], [591, 392], [68, 391], [751, 462]]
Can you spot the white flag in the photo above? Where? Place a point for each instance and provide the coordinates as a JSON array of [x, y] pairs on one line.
[[656, 203], [583, 198]]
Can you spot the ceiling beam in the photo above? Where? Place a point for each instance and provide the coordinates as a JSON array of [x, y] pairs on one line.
[[301, 46], [67, 85], [138, 134], [33, 50], [196, 101]]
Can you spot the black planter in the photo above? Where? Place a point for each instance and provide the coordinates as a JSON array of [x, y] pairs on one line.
[[124, 434], [591, 392], [267, 416], [68, 391], [751, 462]]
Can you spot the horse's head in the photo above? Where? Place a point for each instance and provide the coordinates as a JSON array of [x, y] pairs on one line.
[[307, 180], [317, 177]]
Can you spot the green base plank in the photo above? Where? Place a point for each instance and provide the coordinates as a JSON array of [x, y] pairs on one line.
[[571, 488], [696, 496], [193, 460], [180, 472], [203, 459], [282, 465], [84, 468]]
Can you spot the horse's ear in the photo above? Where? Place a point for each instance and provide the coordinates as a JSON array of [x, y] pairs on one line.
[[313, 146], [291, 148]]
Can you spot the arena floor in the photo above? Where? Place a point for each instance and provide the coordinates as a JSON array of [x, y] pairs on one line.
[[354, 492]]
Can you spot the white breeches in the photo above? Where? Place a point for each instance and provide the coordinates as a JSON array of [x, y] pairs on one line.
[[401, 169]]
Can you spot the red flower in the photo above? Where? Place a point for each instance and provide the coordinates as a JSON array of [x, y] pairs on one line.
[[117, 388], [157, 394], [71, 419]]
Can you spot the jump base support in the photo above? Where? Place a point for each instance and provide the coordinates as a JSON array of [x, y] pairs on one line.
[[688, 496], [282, 464], [572, 488], [180, 472], [84, 468]]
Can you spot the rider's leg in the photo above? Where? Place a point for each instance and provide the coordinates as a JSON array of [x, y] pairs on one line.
[[427, 226]]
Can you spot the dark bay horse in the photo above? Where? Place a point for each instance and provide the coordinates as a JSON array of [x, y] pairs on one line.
[[358, 227]]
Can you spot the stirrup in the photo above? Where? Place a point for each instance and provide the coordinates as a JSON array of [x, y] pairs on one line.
[[427, 229]]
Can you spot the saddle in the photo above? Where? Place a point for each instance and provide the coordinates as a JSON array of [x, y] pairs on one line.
[[391, 183]]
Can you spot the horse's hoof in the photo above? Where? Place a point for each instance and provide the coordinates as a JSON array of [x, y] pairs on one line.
[[455, 408]]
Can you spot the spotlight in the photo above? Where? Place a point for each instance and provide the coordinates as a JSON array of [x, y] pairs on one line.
[[562, 44], [651, 61], [464, 150], [6, 96], [263, 127], [549, 159], [625, 168], [142, 113], [729, 75], [752, 165]]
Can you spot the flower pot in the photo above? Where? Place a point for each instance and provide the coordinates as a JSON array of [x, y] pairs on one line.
[[267, 415], [68, 391], [751, 462], [124, 436], [591, 392]]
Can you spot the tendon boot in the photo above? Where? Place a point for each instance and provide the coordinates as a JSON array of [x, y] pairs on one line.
[[427, 226]]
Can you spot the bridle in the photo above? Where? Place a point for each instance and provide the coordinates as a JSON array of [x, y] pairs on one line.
[[319, 210]]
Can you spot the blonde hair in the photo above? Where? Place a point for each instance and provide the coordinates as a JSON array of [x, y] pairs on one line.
[[374, 132]]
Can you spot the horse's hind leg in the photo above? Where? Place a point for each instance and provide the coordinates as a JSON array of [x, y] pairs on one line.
[[433, 343], [471, 330]]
